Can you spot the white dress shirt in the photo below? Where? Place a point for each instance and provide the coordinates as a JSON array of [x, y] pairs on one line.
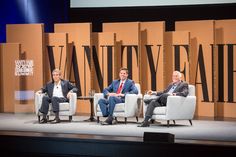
[[57, 90]]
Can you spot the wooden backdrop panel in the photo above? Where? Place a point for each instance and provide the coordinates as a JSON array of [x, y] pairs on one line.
[[108, 60], [225, 89], [30, 36], [9, 52], [152, 56], [202, 37], [79, 35], [128, 33], [57, 45], [177, 51]]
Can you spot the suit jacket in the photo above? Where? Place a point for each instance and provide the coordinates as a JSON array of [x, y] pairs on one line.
[[180, 90], [128, 88], [66, 87]]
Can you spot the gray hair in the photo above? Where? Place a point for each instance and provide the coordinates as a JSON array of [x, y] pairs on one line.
[[178, 73], [56, 71]]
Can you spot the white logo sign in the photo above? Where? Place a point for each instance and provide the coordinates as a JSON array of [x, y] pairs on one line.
[[24, 67]]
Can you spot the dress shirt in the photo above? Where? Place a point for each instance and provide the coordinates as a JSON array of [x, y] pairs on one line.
[[123, 84], [57, 90]]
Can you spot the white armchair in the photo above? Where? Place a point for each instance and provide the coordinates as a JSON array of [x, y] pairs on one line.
[[131, 107], [65, 108], [177, 107]]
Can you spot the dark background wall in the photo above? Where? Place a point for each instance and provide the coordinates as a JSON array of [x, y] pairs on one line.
[[32, 11], [169, 14], [59, 11]]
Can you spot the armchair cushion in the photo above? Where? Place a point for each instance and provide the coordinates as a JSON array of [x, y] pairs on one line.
[[62, 106], [160, 110]]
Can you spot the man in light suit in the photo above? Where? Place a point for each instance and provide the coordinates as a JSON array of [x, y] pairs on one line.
[[176, 88], [57, 91], [114, 94]]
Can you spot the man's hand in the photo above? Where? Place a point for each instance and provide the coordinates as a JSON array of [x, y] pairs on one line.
[[114, 94], [120, 95], [149, 92], [69, 95], [111, 94], [39, 92]]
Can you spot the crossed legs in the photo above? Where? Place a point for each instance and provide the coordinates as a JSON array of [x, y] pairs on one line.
[[160, 101]]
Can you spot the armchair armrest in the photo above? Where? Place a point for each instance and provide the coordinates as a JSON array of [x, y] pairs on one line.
[[38, 101], [180, 107], [139, 103], [140, 96], [73, 103], [131, 106], [97, 97]]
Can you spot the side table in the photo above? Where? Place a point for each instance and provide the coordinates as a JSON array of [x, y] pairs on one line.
[[90, 98]]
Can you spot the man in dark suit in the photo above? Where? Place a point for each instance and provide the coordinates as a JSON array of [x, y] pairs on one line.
[[176, 88], [114, 94], [57, 91]]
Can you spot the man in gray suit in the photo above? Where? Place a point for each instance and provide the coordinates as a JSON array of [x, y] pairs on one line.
[[57, 91], [176, 88]]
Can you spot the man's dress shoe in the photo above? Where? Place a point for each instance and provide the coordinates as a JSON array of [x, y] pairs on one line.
[[56, 120], [105, 123], [144, 124], [114, 121], [108, 121], [44, 120]]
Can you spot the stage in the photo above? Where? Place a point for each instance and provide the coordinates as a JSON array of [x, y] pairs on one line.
[[202, 130], [21, 135]]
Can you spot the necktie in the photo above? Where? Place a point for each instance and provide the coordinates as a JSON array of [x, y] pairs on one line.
[[119, 89]]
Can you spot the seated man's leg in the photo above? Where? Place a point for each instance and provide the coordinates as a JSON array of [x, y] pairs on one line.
[[148, 100], [113, 100], [149, 112], [55, 106], [163, 99], [103, 103], [153, 104], [112, 103], [44, 108]]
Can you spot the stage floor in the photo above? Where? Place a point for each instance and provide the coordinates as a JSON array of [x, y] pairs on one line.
[[209, 131]]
